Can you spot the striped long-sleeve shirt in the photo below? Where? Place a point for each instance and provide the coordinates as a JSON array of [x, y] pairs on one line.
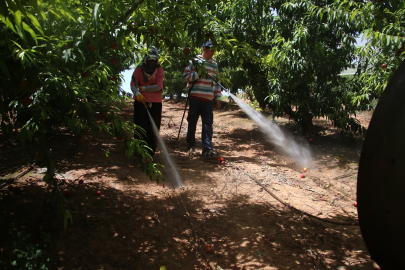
[[204, 89]]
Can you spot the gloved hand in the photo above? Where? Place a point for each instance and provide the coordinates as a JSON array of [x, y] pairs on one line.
[[141, 88], [140, 98]]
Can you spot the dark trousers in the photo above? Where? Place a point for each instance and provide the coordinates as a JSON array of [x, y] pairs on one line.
[[205, 109], [141, 118]]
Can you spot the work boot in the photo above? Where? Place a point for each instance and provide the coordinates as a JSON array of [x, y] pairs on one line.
[[191, 152], [209, 154]]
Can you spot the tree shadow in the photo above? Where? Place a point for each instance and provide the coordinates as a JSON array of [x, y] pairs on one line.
[[146, 231]]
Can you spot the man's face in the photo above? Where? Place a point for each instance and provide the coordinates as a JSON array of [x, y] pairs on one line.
[[152, 63], [209, 52]]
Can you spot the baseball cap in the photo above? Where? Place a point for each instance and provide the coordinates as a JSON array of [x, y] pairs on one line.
[[153, 54], [207, 44], [152, 57]]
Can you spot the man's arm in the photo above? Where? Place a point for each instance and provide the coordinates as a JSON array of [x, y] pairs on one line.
[[217, 89], [134, 85], [135, 90], [190, 74], [158, 86], [150, 88]]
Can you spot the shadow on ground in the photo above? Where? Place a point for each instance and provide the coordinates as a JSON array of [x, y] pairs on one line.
[[136, 224], [128, 229]]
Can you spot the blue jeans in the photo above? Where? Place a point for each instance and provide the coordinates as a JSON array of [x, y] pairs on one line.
[[205, 109]]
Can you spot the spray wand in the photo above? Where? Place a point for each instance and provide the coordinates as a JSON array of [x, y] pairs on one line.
[[181, 124], [227, 90], [215, 79]]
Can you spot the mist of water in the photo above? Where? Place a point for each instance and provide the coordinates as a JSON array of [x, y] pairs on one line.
[[170, 167], [299, 153]]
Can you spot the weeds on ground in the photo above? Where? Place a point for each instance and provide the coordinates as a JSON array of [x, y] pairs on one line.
[[25, 251]]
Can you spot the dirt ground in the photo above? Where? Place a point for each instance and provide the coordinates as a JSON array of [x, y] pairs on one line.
[[138, 224]]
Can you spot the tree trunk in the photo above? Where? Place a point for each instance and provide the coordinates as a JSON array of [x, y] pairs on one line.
[[306, 122], [304, 117]]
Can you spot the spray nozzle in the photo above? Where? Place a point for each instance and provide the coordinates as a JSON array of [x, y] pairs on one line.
[[222, 87], [148, 105]]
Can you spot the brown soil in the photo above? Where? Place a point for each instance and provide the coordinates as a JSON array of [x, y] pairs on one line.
[[138, 224]]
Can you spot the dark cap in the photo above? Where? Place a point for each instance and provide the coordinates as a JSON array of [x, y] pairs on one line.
[[153, 54], [207, 44]]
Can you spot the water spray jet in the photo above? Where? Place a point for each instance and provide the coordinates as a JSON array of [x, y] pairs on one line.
[[299, 153], [169, 164]]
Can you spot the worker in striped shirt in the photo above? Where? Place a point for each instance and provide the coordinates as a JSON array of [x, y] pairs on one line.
[[201, 97]]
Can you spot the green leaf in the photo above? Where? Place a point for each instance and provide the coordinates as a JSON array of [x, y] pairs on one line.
[[35, 23], [96, 19], [44, 115], [39, 253], [29, 30], [17, 18], [66, 55], [16, 12], [131, 148], [54, 13], [153, 5], [6, 21], [95, 14], [82, 33]]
